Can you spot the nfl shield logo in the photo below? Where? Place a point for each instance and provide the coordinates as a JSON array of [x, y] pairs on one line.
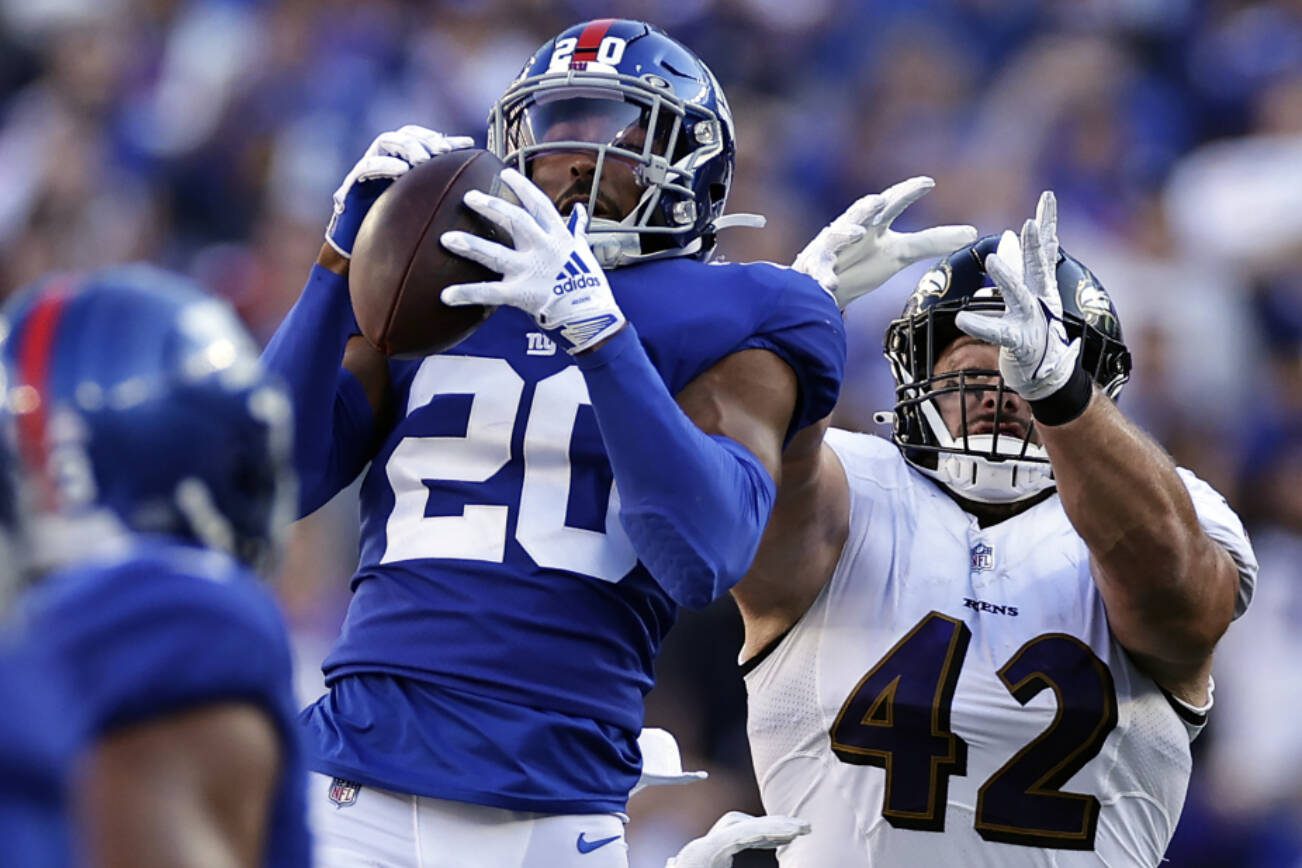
[[983, 558], [343, 793]]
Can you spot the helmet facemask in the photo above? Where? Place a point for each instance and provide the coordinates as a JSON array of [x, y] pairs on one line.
[[998, 466], [1005, 463], [638, 123]]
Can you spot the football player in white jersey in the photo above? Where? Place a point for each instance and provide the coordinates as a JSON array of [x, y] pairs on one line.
[[989, 642]]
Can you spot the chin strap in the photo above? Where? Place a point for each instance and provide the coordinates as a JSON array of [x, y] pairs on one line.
[[195, 502], [616, 244], [614, 249], [740, 221], [976, 477], [986, 481]]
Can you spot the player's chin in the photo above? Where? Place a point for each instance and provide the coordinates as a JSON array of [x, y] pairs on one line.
[[565, 204], [1011, 432], [602, 209]]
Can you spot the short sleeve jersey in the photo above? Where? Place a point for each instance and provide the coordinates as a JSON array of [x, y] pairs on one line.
[[165, 628], [955, 697]]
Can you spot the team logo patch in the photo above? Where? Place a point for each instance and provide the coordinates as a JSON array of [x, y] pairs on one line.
[[1094, 305], [343, 793], [933, 284], [983, 558], [538, 344]]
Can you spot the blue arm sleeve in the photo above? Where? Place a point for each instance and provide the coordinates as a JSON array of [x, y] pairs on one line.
[[334, 428], [693, 505]]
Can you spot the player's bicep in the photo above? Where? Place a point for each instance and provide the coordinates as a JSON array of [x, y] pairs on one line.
[[193, 788], [371, 368], [748, 397], [1173, 644]]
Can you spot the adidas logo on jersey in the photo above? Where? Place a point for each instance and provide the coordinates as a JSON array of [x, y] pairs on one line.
[[992, 608]]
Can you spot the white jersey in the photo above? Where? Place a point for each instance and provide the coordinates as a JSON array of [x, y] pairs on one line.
[[963, 680]]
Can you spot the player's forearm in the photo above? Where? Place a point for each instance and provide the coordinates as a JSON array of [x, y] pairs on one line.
[[194, 788], [1158, 570], [694, 506], [306, 351]]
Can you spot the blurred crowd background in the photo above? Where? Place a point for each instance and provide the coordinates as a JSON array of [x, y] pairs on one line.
[[207, 135]]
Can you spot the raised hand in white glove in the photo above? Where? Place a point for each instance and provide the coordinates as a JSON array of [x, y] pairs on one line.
[[1035, 357], [551, 273], [858, 251], [389, 156], [733, 833]]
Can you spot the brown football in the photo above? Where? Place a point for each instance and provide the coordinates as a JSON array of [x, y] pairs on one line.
[[399, 269]]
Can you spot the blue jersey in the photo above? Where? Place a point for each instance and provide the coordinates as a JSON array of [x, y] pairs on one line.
[[38, 733], [502, 633], [166, 628]]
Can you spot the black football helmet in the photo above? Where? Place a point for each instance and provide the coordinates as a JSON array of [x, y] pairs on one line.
[[994, 467]]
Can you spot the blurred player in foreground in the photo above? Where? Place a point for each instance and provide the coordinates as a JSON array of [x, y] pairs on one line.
[[39, 728], [156, 454], [990, 643]]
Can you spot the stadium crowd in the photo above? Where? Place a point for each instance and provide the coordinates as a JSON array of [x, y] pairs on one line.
[[207, 135]]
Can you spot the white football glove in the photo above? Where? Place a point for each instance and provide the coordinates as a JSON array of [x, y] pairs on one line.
[[1035, 357], [551, 274], [858, 251], [733, 833], [391, 154]]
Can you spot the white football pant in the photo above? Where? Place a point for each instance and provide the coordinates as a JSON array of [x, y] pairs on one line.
[[365, 827]]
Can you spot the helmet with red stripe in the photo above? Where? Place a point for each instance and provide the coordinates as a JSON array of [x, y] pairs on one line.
[[630, 98], [140, 406]]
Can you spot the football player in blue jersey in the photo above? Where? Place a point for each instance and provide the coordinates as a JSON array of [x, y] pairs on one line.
[[543, 498], [38, 733], [157, 454], [38, 729]]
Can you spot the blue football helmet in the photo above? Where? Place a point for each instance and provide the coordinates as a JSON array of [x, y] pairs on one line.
[[987, 467], [140, 406], [625, 91]]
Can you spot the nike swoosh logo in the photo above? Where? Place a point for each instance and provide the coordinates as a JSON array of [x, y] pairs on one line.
[[586, 846]]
